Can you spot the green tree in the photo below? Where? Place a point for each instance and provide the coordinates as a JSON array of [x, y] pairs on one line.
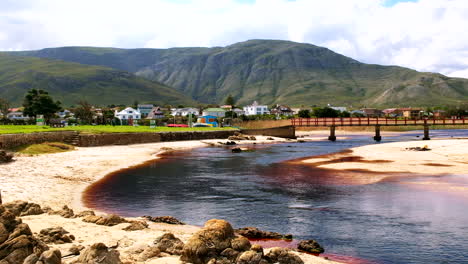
[[4, 106], [304, 113], [229, 101], [84, 112], [39, 102], [326, 112]]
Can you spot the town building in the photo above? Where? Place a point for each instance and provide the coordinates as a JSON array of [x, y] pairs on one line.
[[413, 113], [256, 109], [155, 113], [282, 110], [185, 111], [218, 112], [145, 109], [17, 115], [372, 112], [128, 114], [238, 111]]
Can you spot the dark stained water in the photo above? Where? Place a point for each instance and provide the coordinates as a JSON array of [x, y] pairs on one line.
[[385, 222]]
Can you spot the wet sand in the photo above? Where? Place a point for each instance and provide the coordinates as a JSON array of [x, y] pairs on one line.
[[398, 162]]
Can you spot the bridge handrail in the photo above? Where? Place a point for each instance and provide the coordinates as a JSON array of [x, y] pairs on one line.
[[373, 121]]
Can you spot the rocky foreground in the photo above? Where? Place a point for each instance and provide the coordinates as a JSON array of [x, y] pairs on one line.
[[216, 243]]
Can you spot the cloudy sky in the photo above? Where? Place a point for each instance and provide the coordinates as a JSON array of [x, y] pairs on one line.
[[427, 35]]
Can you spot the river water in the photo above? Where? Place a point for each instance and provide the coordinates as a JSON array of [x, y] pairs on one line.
[[383, 223]]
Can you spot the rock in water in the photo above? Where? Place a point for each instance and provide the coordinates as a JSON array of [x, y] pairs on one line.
[[99, 253], [253, 232], [310, 246], [170, 244]]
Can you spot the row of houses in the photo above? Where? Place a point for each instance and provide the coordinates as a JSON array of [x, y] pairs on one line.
[[149, 111]]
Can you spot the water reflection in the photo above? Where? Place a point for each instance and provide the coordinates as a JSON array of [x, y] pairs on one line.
[[387, 222]]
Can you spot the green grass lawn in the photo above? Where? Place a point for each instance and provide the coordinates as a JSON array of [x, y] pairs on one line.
[[12, 129], [44, 148]]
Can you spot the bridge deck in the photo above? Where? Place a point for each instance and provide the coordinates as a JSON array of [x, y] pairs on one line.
[[358, 121]]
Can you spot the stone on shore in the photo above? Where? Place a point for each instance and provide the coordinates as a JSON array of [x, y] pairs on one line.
[[65, 212], [164, 219], [170, 244], [56, 235], [136, 225], [22, 208], [108, 220], [52, 256], [16, 239], [283, 256], [310, 246], [99, 253], [5, 156]]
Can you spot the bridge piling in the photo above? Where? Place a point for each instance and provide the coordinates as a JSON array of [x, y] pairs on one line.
[[332, 136], [377, 136], [426, 133]]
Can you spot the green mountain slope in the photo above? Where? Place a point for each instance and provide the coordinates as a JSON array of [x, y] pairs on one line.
[[70, 82], [273, 71]]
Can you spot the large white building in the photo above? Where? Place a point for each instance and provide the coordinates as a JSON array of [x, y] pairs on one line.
[[185, 111], [128, 113], [256, 109]]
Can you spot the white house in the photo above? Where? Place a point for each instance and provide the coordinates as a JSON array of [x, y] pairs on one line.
[[256, 109], [17, 115], [185, 111], [65, 113], [238, 111], [218, 112], [128, 113]]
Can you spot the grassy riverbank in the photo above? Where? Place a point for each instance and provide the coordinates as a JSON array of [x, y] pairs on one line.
[[14, 129]]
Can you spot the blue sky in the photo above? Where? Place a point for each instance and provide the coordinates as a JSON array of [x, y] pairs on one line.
[[426, 35]]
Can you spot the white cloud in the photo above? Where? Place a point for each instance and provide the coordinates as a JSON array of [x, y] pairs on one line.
[[428, 35]]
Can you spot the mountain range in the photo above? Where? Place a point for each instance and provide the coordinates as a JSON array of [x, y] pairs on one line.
[[268, 71]]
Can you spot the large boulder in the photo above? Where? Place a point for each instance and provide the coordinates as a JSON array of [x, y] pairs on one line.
[[168, 243], [56, 235], [16, 239], [252, 256], [209, 242], [283, 256], [22, 208], [310, 246], [99, 253]]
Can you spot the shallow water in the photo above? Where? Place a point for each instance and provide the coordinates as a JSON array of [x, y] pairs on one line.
[[385, 222]]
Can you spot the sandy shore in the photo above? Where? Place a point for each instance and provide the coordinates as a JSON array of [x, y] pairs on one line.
[[59, 179], [396, 162]]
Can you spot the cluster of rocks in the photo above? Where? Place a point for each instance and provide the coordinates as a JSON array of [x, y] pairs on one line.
[[425, 148], [217, 243], [240, 136], [5, 156], [163, 219], [255, 233], [22, 208], [107, 220]]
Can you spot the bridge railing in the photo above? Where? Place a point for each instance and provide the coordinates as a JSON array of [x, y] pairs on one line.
[[372, 121]]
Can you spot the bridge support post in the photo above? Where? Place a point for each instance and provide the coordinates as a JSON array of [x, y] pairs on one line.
[[426, 133], [332, 136], [377, 136]]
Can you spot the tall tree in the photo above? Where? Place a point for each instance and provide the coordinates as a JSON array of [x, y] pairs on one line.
[[39, 102], [4, 106], [84, 112], [229, 101]]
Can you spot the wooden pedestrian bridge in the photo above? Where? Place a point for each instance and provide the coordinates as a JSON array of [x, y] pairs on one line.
[[332, 123]]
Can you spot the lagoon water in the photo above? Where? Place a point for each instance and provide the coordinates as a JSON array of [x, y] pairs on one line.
[[381, 223]]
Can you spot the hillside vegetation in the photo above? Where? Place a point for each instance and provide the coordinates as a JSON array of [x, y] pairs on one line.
[[71, 82], [273, 71]]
